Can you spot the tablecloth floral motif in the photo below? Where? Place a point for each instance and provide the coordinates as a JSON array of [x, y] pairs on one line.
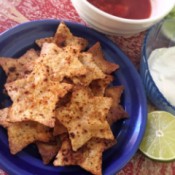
[[13, 12]]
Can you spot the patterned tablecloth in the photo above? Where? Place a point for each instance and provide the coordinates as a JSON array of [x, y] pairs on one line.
[[13, 12]]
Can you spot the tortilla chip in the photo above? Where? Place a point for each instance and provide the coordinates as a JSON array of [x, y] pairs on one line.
[[98, 56], [31, 97], [48, 150], [40, 42], [116, 111], [4, 118], [109, 143], [66, 99], [61, 62], [64, 38], [98, 86], [85, 117], [59, 128], [16, 68], [88, 157], [24, 133], [93, 71], [49, 49]]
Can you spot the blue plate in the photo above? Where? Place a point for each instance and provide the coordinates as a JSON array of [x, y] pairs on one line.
[[128, 132]]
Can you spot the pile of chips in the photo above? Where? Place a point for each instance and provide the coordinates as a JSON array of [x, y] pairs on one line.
[[62, 101]]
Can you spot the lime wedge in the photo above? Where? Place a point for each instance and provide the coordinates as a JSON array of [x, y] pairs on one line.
[[159, 140]]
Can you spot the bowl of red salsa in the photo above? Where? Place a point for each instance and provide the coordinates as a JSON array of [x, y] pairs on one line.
[[122, 17], [124, 8]]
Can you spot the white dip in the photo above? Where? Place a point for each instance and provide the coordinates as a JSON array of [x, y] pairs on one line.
[[162, 68]]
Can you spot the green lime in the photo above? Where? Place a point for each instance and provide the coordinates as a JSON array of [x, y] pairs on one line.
[[168, 29], [159, 140], [171, 14]]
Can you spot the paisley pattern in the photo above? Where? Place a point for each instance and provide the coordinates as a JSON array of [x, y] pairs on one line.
[[13, 12], [8, 11]]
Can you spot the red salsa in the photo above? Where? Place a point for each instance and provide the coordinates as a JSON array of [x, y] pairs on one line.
[[130, 9]]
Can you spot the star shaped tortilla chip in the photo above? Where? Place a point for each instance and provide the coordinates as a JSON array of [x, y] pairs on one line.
[[99, 86], [116, 111], [89, 157], [63, 38], [48, 150], [4, 118], [35, 97], [21, 134], [17, 68], [93, 71], [85, 117], [40, 42], [98, 56], [59, 128], [61, 62]]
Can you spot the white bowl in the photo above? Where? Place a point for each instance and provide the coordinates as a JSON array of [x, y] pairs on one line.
[[113, 25]]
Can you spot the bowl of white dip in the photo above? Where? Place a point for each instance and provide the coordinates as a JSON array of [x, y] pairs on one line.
[[157, 66]]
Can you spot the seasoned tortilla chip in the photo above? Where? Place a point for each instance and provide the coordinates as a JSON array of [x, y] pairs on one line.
[[109, 143], [59, 128], [40, 42], [116, 111], [16, 68], [98, 56], [88, 157], [35, 97], [93, 71], [4, 118], [98, 86], [49, 49], [64, 38], [66, 99], [61, 62], [48, 150], [24, 133], [85, 117]]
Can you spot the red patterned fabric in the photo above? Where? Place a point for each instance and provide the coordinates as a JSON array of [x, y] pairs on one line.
[[13, 12]]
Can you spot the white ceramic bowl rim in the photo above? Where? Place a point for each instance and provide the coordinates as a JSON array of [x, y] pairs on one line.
[[154, 18]]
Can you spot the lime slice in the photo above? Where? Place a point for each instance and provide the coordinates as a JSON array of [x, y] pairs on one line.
[[159, 139], [168, 29], [171, 14]]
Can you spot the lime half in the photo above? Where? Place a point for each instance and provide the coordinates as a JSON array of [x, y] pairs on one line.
[[159, 139]]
